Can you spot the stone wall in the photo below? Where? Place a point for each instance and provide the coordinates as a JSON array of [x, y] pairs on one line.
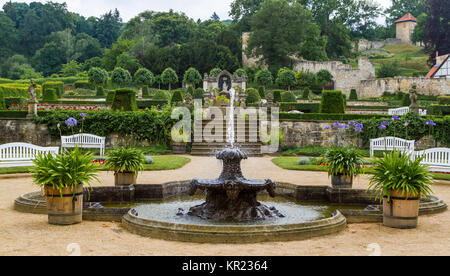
[[296, 133], [364, 44], [375, 88], [345, 77]]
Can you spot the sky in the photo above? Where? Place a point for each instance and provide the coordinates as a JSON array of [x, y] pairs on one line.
[[128, 9]]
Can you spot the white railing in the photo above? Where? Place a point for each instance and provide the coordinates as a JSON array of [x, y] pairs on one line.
[[23, 151], [390, 144], [438, 159], [87, 141], [404, 110]]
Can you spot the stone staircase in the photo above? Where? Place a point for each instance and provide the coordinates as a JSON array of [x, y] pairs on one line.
[[207, 148]]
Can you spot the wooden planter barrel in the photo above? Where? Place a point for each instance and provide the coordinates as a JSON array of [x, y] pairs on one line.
[[342, 181], [66, 209], [124, 178], [179, 148], [401, 211]]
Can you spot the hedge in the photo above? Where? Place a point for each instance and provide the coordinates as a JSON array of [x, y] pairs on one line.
[[353, 95], [149, 125], [124, 100], [288, 97], [330, 117], [145, 92], [57, 85], [439, 109], [50, 95], [100, 92], [277, 95], [85, 84], [150, 103], [18, 90], [370, 107], [444, 100], [75, 102], [2, 101], [177, 97], [303, 107], [18, 101], [252, 96], [110, 97], [333, 101]]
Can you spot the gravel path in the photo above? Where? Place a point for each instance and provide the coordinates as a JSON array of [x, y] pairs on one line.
[[28, 234]]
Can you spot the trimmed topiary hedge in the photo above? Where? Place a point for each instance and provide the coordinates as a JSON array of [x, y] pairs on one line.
[[305, 93], [124, 100], [303, 107], [162, 95], [261, 92], [18, 90], [145, 92], [150, 103], [277, 95], [57, 85], [353, 95], [50, 95], [199, 94], [100, 92], [110, 96], [84, 84], [330, 117], [439, 110], [288, 97], [252, 96], [2, 101], [333, 101], [177, 97]]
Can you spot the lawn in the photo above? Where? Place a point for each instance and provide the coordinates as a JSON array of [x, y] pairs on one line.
[[161, 163], [291, 163]]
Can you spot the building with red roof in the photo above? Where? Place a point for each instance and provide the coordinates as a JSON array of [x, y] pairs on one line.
[[405, 27]]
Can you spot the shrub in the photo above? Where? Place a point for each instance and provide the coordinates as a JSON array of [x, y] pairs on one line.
[[84, 84], [199, 94], [332, 102], [353, 95], [50, 95], [2, 101], [444, 100], [286, 78], [264, 77], [150, 103], [192, 76], [162, 95], [252, 96], [125, 160], [277, 95], [303, 107], [17, 101], [388, 70], [110, 97], [100, 91], [342, 161], [261, 92], [406, 101], [124, 100], [303, 161], [57, 85], [240, 73], [145, 92], [305, 94], [288, 97], [177, 97], [215, 72], [190, 90]]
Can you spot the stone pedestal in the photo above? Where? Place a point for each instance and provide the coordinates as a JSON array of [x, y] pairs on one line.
[[140, 94], [32, 109]]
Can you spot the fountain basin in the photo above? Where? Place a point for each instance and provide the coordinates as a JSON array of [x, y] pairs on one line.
[[232, 233]]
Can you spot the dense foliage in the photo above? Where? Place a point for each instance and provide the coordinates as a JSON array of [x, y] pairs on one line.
[[125, 160], [332, 102], [343, 161], [124, 100]]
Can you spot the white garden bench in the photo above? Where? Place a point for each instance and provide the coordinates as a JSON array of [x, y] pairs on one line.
[[86, 141], [438, 159], [404, 110], [21, 154], [390, 144]]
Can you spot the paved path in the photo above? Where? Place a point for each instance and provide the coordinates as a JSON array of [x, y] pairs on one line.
[[28, 234]]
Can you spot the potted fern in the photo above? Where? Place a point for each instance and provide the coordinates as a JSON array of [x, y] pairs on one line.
[[343, 166], [401, 182], [126, 164], [62, 178]]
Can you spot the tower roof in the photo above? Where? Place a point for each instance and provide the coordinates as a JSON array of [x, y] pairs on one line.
[[406, 17]]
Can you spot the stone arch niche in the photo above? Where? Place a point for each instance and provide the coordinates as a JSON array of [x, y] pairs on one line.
[[223, 82]]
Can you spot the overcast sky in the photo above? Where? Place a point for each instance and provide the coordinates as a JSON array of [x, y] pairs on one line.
[[195, 9]]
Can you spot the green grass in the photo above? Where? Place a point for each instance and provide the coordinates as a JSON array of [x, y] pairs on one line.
[[161, 163], [318, 151], [291, 163], [410, 59], [151, 150]]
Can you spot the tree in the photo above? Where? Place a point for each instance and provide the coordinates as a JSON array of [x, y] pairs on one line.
[[286, 78], [86, 47], [120, 77], [8, 37], [388, 70], [324, 77], [278, 30], [128, 62], [192, 77], [419, 30], [264, 77], [401, 7], [169, 76], [97, 76], [215, 72], [107, 28], [71, 69], [143, 76], [437, 37], [338, 41], [240, 73], [109, 59], [215, 17], [172, 28], [49, 59], [242, 12]]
